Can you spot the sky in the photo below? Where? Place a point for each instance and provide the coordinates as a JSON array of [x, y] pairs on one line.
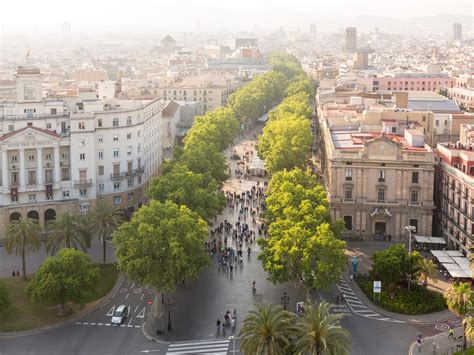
[[207, 15]]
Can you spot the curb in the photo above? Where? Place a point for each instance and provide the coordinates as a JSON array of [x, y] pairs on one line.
[[151, 337], [104, 300]]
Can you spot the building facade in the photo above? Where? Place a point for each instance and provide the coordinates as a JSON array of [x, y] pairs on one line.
[[457, 31], [350, 44], [407, 82], [57, 157], [379, 182]]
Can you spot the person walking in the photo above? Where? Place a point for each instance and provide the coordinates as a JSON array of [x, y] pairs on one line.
[[451, 332], [218, 323]]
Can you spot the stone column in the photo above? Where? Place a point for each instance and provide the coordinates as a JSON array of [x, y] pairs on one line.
[[57, 170], [5, 168], [39, 168], [22, 169]]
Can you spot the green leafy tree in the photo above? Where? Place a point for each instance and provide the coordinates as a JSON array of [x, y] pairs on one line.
[[303, 85], [104, 220], [320, 332], [313, 259], [285, 143], [199, 192], [22, 237], [297, 105], [63, 278], [427, 269], [64, 232], [4, 298], [265, 331], [162, 245], [285, 63], [459, 300], [204, 158], [469, 328]]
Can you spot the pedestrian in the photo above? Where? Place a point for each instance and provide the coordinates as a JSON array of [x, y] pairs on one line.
[[352, 277], [451, 332], [13, 273], [17, 273], [337, 299], [218, 323], [342, 297]]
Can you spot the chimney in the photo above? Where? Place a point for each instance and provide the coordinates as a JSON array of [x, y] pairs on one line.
[[401, 99]]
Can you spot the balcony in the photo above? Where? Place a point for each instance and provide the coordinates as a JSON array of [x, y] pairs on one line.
[[414, 203], [127, 174], [348, 200], [83, 183], [382, 202]]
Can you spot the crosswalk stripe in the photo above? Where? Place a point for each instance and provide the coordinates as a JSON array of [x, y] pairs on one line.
[[210, 347], [199, 347], [200, 343]]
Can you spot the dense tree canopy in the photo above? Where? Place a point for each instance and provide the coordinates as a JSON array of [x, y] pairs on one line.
[[301, 85], [63, 278], [297, 104], [162, 245], [285, 143], [285, 63]]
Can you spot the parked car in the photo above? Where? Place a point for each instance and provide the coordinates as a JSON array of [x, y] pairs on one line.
[[120, 314]]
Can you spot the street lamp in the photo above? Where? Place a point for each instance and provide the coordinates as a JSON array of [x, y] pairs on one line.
[[169, 305], [285, 299], [233, 344], [410, 229]]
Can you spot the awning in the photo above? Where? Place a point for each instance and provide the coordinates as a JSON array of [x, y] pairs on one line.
[[431, 240], [451, 267], [461, 261], [438, 253], [437, 240], [445, 260], [459, 274], [453, 253], [421, 239]]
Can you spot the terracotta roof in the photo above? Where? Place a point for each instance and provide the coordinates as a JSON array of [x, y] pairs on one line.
[[46, 131]]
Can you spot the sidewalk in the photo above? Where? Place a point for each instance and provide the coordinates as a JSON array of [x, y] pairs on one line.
[[438, 344]]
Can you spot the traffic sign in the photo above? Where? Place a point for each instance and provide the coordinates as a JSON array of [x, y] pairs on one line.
[[377, 286]]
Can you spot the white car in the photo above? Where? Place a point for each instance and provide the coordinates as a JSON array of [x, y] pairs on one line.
[[120, 314]]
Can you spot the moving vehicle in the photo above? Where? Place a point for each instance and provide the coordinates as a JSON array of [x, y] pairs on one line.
[[120, 314]]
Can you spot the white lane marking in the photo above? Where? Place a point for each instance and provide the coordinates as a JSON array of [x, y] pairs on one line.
[[100, 323], [122, 325], [226, 341], [142, 313], [92, 323], [146, 288], [142, 296], [107, 324], [85, 323], [78, 322], [130, 321], [137, 326], [221, 351], [135, 311], [132, 286], [127, 295], [129, 326], [110, 313]]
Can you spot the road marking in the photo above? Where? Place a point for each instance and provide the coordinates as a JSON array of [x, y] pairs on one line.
[[122, 325], [146, 288], [132, 285], [130, 321], [126, 297], [135, 311], [92, 323], [85, 323], [78, 322], [150, 351], [137, 290], [137, 326], [110, 313], [107, 324], [142, 297], [129, 326], [142, 313], [123, 290], [181, 344], [100, 323]]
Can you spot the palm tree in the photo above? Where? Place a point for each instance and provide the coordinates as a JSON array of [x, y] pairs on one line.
[[459, 300], [427, 269], [319, 332], [104, 220], [22, 237], [64, 232], [469, 328], [265, 331], [84, 230]]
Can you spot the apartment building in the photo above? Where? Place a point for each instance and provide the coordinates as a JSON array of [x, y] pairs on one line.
[[407, 82], [62, 156], [455, 190], [379, 179]]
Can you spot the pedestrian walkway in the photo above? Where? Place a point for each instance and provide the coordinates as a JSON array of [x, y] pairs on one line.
[[356, 305], [216, 347], [438, 344]]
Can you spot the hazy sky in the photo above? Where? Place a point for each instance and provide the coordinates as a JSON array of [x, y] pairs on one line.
[[156, 15]]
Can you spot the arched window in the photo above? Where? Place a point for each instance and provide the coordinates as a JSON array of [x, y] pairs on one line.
[[129, 121], [115, 122]]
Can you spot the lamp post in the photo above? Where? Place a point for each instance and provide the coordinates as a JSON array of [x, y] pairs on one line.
[[410, 229], [169, 305], [285, 299], [233, 343]]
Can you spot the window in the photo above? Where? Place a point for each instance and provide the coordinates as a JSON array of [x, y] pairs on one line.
[[381, 176], [117, 200], [414, 196], [437, 123], [130, 182], [348, 193], [14, 159], [101, 170], [101, 187], [48, 173], [139, 149], [82, 126], [64, 155], [47, 156], [65, 174], [394, 129], [115, 122], [82, 142], [116, 185], [138, 134], [414, 223], [424, 118], [31, 157], [130, 196], [115, 139], [129, 121], [348, 174], [10, 128], [32, 197], [380, 194], [48, 125], [99, 122], [31, 177], [116, 152], [129, 136], [129, 150], [414, 177], [348, 222], [100, 139], [82, 156], [65, 194], [101, 154], [83, 192]]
